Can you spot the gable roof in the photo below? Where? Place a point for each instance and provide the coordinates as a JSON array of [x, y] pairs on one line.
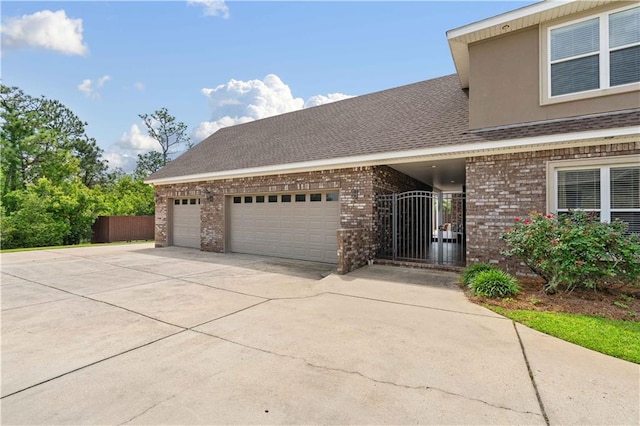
[[433, 112], [420, 120]]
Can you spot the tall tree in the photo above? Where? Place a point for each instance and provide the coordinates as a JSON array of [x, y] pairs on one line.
[[169, 133], [148, 163], [41, 138]]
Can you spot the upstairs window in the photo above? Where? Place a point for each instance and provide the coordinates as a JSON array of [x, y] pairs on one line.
[[596, 53]]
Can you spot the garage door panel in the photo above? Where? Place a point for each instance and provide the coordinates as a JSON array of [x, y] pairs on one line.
[[299, 230], [186, 224]]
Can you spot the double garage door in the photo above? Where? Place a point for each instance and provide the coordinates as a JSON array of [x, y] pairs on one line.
[[296, 226]]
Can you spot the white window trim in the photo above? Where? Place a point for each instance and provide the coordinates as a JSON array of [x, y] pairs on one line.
[[604, 90], [604, 164]]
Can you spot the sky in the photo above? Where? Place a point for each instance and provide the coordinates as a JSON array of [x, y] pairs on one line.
[[214, 63]]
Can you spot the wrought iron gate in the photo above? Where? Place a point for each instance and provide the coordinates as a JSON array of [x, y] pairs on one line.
[[421, 226]]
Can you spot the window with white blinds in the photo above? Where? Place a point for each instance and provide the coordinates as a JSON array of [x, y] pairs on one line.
[[575, 58], [600, 52], [624, 46], [612, 191], [579, 189], [625, 196]]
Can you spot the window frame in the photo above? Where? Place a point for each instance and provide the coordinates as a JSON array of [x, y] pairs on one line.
[[603, 53], [604, 164]]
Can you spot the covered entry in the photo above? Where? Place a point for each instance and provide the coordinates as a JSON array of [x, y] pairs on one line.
[[297, 226], [422, 226], [185, 226]]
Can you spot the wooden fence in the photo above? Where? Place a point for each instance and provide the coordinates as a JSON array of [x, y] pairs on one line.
[[108, 229]]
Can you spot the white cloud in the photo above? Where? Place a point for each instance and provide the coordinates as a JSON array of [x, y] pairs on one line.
[[138, 85], [322, 99], [102, 80], [136, 140], [120, 159], [46, 30], [124, 153], [242, 101], [212, 7], [85, 87], [90, 89]]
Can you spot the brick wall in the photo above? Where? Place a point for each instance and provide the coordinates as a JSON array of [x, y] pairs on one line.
[[387, 181], [354, 186], [352, 250], [501, 187], [357, 187]]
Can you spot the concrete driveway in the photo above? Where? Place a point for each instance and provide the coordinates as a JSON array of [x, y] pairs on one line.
[[135, 335]]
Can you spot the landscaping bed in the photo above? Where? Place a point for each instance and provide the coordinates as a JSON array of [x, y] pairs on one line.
[[611, 301]]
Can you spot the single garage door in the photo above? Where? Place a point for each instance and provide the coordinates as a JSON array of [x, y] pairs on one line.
[[186, 222], [296, 226]]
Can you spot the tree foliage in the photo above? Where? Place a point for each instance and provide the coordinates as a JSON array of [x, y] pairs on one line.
[[170, 134], [129, 196], [49, 214], [53, 179], [148, 163], [41, 138]]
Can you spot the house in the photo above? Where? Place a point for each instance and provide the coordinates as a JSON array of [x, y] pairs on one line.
[[543, 115]]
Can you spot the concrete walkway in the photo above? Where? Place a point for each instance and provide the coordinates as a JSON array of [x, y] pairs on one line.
[[135, 335]]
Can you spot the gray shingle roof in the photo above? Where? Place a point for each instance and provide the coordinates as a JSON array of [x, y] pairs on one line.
[[426, 114]]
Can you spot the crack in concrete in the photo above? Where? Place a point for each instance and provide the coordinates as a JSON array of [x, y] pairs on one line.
[[148, 409], [364, 376]]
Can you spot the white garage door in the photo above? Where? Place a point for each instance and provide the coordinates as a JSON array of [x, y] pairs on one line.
[[186, 222], [296, 226]]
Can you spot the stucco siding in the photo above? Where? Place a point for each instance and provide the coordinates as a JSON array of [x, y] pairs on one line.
[[504, 84]]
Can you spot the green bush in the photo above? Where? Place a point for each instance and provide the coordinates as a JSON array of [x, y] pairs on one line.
[[31, 226], [575, 250], [494, 283], [44, 214], [470, 272]]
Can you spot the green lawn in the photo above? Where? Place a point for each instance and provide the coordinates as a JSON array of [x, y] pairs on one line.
[[620, 339]]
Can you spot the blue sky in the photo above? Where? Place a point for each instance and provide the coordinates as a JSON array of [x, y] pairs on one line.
[[213, 63]]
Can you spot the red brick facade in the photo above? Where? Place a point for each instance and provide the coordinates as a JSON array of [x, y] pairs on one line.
[[501, 187], [357, 187]]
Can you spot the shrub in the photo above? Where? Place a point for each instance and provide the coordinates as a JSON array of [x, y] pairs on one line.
[[575, 250], [470, 272], [494, 283]]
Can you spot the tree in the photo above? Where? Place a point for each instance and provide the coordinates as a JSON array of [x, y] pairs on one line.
[[46, 214], [169, 133], [41, 138], [128, 197], [147, 164]]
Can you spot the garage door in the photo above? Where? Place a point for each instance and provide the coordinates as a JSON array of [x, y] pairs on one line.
[[296, 226], [186, 222]]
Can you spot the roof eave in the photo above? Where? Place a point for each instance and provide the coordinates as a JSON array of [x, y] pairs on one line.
[[460, 38], [615, 135]]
